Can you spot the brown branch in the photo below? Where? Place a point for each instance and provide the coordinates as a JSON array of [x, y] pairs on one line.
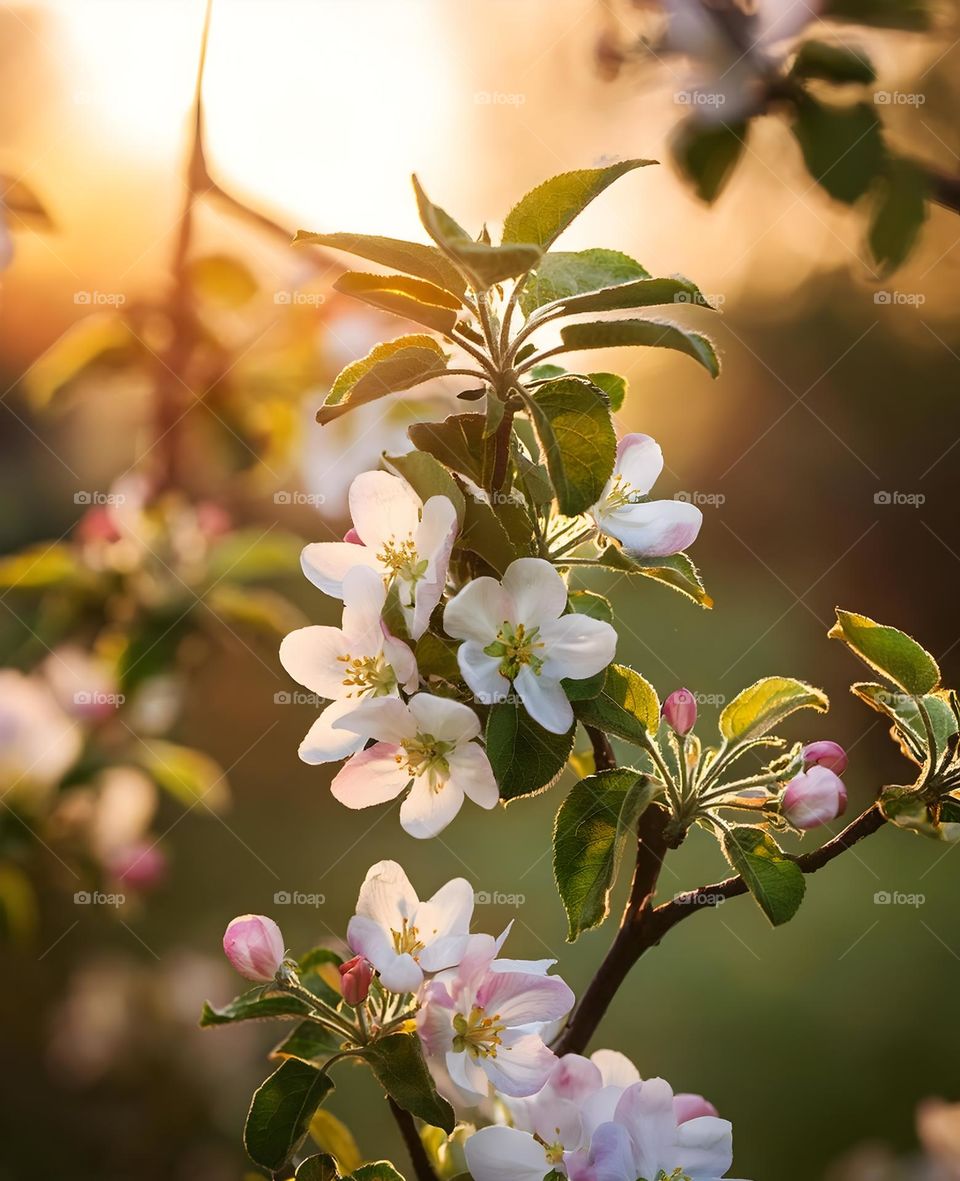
[[603, 757], [422, 1168]]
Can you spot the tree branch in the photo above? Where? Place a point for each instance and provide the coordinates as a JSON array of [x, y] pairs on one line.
[[418, 1154]]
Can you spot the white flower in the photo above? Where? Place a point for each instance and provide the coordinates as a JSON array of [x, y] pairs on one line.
[[515, 630], [38, 741], [360, 659], [645, 528], [406, 541], [484, 1019], [426, 745], [403, 937]]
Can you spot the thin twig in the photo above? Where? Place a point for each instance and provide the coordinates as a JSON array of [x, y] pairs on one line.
[[411, 1138]]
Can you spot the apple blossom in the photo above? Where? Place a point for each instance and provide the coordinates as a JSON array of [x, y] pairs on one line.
[[426, 745], [355, 977], [825, 753], [141, 867], [403, 937], [38, 741], [645, 528], [482, 1019], [814, 797], [254, 945], [515, 631], [680, 711], [406, 541], [359, 659]]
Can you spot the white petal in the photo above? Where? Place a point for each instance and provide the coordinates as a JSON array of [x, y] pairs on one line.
[[325, 742], [403, 662], [444, 952], [575, 1077], [522, 997], [577, 646], [386, 896], [706, 1147], [313, 656], [646, 1111], [536, 590], [482, 672], [522, 1065], [477, 612], [611, 1154], [505, 1154], [655, 529], [365, 936], [371, 777], [383, 508], [544, 700], [639, 462], [364, 594], [447, 913], [384, 718], [426, 811], [326, 563], [448, 720], [402, 974], [616, 1069], [471, 771], [468, 1075], [434, 542]]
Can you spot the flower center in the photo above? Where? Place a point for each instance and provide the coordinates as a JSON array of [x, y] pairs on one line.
[[425, 755], [401, 560], [514, 647], [406, 941], [677, 1175], [620, 494], [477, 1034], [372, 675]]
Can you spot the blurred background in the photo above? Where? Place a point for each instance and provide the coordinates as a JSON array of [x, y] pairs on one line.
[[150, 735]]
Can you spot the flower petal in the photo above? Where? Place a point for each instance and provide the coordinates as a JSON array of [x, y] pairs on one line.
[[313, 656], [434, 543], [447, 913], [387, 896], [384, 718], [448, 720], [639, 462], [402, 974], [646, 1111], [577, 646], [610, 1157], [477, 612], [371, 777], [522, 1065], [505, 1154], [616, 1069], [325, 742], [471, 771], [326, 563], [706, 1147], [544, 700], [383, 508], [365, 936], [402, 660], [536, 590], [427, 811], [524, 997], [655, 529], [482, 672], [364, 594]]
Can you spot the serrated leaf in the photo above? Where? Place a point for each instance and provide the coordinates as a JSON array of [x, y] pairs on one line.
[[842, 146], [310, 1042], [661, 334], [428, 477], [833, 63], [526, 758], [589, 603], [380, 1170], [678, 571], [641, 293], [414, 258], [589, 834], [414, 299], [774, 880], [484, 534], [485, 265], [707, 154], [613, 385], [888, 651], [318, 1168], [388, 368], [765, 704], [458, 443], [253, 1006], [562, 274], [573, 424], [398, 1064], [545, 212], [281, 1111], [627, 706], [899, 209], [902, 710]]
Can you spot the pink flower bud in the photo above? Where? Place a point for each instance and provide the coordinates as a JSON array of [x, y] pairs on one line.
[[355, 977], [352, 536], [825, 754], [687, 1106], [814, 797], [680, 711], [141, 866], [254, 945]]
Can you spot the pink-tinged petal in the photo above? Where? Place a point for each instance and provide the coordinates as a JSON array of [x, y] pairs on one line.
[[470, 770], [654, 529], [521, 1066], [599, 1108], [365, 936], [427, 811], [386, 897], [364, 594], [448, 720], [576, 646], [814, 797], [544, 700], [687, 1106], [705, 1147], [575, 1077], [639, 462], [476, 959], [326, 564], [521, 998], [403, 662], [325, 742], [477, 612], [254, 945], [537, 592], [371, 777], [435, 1020], [384, 508], [444, 952], [448, 912], [646, 1111], [610, 1157], [826, 754], [385, 718], [313, 656], [482, 673], [616, 1069], [505, 1154], [529, 967]]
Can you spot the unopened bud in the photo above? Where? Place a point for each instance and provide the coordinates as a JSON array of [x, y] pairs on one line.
[[355, 977], [825, 754], [352, 536], [814, 797], [254, 945], [680, 711]]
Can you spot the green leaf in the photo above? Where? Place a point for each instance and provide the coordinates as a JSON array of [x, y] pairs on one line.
[[318, 974], [414, 299], [437, 658], [458, 443], [413, 258], [331, 1135], [589, 834], [485, 265], [573, 424], [707, 153], [677, 571], [526, 758], [380, 1170], [773, 879], [903, 711], [309, 1041], [484, 534], [626, 706], [318, 1168], [388, 368], [615, 334], [256, 610], [281, 1111], [254, 555], [642, 293], [223, 280], [562, 274], [585, 602], [899, 209], [546, 211], [428, 477], [188, 775], [833, 63], [253, 1006], [888, 651], [397, 1061], [41, 567], [613, 385], [842, 146], [765, 704]]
